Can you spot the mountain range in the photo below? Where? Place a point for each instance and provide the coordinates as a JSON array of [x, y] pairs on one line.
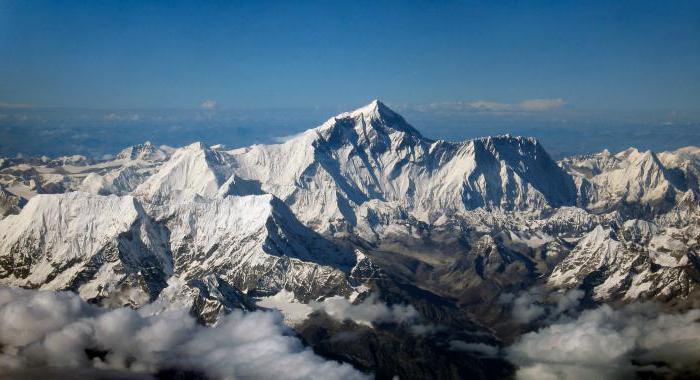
[[363, 208]]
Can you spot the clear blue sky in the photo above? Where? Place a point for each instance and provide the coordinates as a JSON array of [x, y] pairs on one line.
[[591, 54], [94, 76]]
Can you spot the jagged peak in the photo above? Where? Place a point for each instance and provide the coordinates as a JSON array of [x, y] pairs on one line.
[[195, 147], [138, 151], [628, 154], [627, 151], [376, 115], [374, 109], [639, 158], [508, 137]]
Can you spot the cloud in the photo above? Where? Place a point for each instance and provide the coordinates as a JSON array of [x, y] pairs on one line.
[[539, 303], [608, 343], [480, 348], [14, 105], [208, 104], [122, 117], [489, 106], [541, 104], [370, 311], [492, 107], [48, 333]]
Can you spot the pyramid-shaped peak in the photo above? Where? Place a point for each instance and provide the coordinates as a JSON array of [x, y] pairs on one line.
[[374, 109], [375, 115]]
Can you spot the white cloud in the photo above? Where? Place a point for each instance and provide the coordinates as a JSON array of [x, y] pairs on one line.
[[479, 348], [493, 107], [539, 303], [608, 343], [14, 105], [541, 104], [366, 313], [208, 104], [483, 105], [122, 117], [45, 332]]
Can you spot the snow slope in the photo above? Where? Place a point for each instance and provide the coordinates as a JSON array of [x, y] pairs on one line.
[[91, 244]]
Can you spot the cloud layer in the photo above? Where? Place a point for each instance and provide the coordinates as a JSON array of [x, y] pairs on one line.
[[368, 312], [540, 304], [51, 332], [611, 344], [208, 104], [491, 107]]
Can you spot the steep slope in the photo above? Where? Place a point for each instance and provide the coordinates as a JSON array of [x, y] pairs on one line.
[[634, 182], [638, 260], [256, 244], [28, 177], [130, 168], [325, 173], [143, 152], [192, 170], [207, 298], [98, 246], [10, 203]]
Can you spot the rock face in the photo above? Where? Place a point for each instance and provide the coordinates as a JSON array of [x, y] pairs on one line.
[[98, 246], [207, 298], [10, 203], [638, 260], [325, 173], [633, 180], [360, 201], [193, 170], [256, 244]]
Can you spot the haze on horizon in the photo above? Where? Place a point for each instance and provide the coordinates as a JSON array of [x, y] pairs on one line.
[[93, 77]]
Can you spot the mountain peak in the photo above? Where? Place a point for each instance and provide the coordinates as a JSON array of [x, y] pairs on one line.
[[375, 115], [145, 151], [375, 109]]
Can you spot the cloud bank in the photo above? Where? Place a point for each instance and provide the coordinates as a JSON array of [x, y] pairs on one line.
[[368, 312], [44, 333], [541, 104], [540, 304], [612, 344], [492, 107], [208, 104]]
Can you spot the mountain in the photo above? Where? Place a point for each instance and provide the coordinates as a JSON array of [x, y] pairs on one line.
[[98, 246], [10, 203], [365, 209], [192, 170], [637, 260], [24, 178], [325, 173], [255, 244], [633, 181]]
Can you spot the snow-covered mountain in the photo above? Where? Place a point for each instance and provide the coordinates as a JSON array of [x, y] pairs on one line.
[[326, 173], [255, 244], [99, 246], [24, 178], [361, 203], [634, 181], [638, 260]]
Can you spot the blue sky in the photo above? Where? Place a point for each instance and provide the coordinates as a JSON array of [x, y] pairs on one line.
[[595, 62]]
